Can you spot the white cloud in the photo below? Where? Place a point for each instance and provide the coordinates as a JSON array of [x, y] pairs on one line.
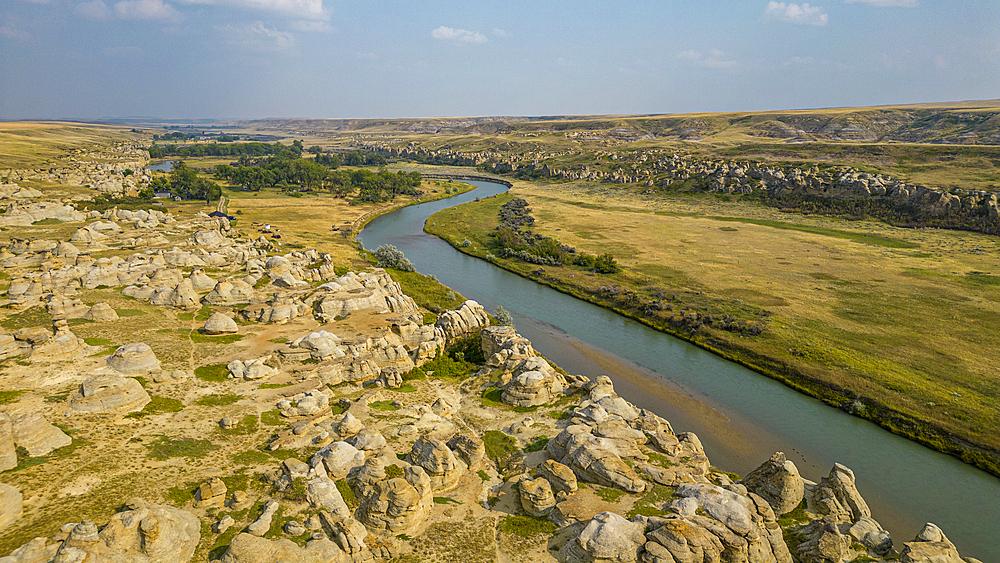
[[312, 26], [497, 32], [885, 3], [795, 13], [309, 9], [94, 10], [256, 37], [462, 35], [146, 10], [714, 59], [367, 56], [10, 32]]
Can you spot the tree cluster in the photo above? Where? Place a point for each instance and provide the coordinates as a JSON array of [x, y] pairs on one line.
[[185, 183], [511, 241], [216, 149]]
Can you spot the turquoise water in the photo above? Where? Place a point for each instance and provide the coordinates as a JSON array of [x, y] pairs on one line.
[[741, 416]]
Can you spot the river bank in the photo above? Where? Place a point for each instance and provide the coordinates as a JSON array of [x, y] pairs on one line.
[[852, 400]]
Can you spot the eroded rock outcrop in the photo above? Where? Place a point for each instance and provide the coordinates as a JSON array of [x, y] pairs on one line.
[[109, 393], [778, 482]]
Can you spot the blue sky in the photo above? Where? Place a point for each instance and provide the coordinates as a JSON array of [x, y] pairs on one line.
[[325, 58]]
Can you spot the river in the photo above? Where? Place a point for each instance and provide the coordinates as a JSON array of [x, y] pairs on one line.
[[740, 416]]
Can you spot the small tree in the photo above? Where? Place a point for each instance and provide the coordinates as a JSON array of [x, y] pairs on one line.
[[388, 256], [503, 316]]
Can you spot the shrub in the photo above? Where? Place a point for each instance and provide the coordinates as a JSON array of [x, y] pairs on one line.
[[503, 316], [388, 256]]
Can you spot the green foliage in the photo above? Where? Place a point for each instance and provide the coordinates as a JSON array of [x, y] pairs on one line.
[[296, 490], [525, 526], [503, 316], [537, 445], [271, 418], [94, 341], [499, 446], [251, 457], [652, 502], [483, 476], [388, 256], [32, 316], [393, 472], [158, 405], [181, 495], [610, 495], [383, 406], [427, 292], [446, 500], [795, 517], [348, 494], [213, 373], [11, 396], [217, 400], [165, 447], [129, 312]]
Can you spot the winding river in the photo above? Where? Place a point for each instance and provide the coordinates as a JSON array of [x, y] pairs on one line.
[[741, 417]]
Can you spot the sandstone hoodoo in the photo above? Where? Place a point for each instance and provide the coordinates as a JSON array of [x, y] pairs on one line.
[[109, 393], [220, 323], [134, 358]]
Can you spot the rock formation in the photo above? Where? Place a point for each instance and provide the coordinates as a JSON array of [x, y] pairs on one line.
[[220, 323], [777, 481], [109, 393], [134, 358]]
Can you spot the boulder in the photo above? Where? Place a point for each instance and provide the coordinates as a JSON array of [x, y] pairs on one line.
[[220, 323], [200, 280], [532, 388], [396, 505], [338, 458], [837, 495], [228, 293], [593, 459], [263, 522], [109, 393], [469, 318], [438, 461], [211, 493], [778, 482], [347, 425], [134, 357], [208, 238], [560, 477], [36, 435], [151, 532], [608, 537], [536, 496], [930, 546], [368, 440], [322, 493], [63, 346], [469, 449], [101, 312], [10, 505]]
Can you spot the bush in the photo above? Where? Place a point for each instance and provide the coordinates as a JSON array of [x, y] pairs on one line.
[[503, 316], [388, 256]]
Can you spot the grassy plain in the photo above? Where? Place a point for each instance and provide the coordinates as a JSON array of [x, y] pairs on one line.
[[34, 144], [906, 320]]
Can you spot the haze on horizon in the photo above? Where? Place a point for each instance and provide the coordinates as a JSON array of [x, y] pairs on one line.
[[196, 59]]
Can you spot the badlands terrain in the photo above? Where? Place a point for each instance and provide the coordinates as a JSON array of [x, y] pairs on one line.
[[182, 387]]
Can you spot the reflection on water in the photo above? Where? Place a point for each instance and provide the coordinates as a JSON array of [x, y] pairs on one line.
[[741, 417]]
